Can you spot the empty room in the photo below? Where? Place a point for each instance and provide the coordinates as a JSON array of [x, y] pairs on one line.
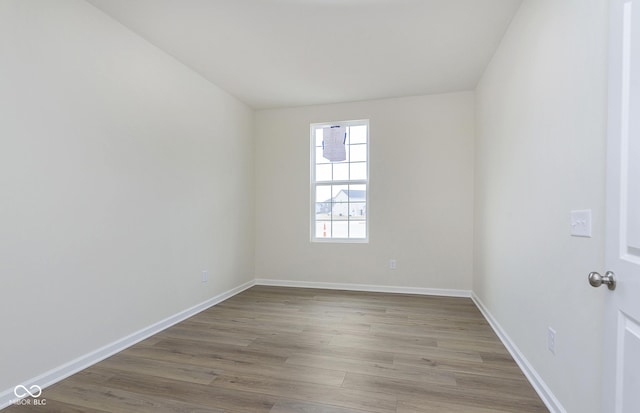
[[321, 206]]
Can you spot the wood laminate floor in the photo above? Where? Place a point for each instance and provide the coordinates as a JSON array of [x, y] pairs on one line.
[[286, 350]]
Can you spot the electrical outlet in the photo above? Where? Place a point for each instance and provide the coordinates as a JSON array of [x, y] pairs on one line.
[[551, 340], [392, 264], [205, 276]]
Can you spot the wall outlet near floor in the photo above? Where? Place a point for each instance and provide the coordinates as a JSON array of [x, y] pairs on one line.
[[392, 264], [551, 340], [205, 276]]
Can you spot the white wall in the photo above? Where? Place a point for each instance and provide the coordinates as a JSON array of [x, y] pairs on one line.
[[420, 194], [122, 175], [540, 152]]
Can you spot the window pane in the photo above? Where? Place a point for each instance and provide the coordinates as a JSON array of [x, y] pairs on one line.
[[323, 229], [358, 210], [340, 210], [319, 137], [340, 229], [323, 172], [357, 201], [323, 210], [357, 229], [323, 193], [358, 153], [358, 134], [340, 171], [323, 202], [340, 193], [358, 170]]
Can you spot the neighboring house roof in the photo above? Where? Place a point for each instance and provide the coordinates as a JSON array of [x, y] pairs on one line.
[[358, 194], [353, 194]]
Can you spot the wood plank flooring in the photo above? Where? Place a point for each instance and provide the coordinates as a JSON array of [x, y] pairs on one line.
[[286, 350]]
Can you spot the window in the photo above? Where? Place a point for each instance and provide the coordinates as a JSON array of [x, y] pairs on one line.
[[339, 181]]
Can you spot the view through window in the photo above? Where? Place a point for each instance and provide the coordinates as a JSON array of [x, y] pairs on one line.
[[339, 181]]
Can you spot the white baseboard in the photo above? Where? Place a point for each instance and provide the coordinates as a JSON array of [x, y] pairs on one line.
[[365, 287], [7, 397], [552, 403]]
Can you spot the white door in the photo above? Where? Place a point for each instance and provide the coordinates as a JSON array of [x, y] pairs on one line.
[[621, 380]]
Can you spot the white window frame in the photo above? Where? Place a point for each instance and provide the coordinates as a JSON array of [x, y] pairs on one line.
[[315, 183]]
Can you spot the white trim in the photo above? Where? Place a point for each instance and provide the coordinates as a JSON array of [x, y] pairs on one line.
[[545, 393], [53, 376], [365, 287], [314, 184]]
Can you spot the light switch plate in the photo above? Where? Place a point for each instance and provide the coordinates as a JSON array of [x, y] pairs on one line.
[[581, 223]]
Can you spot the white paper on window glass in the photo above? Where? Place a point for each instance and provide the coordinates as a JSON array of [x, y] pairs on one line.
[[333, 147]]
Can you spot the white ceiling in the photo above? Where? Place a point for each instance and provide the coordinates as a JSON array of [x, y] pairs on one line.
[[282, 53]]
